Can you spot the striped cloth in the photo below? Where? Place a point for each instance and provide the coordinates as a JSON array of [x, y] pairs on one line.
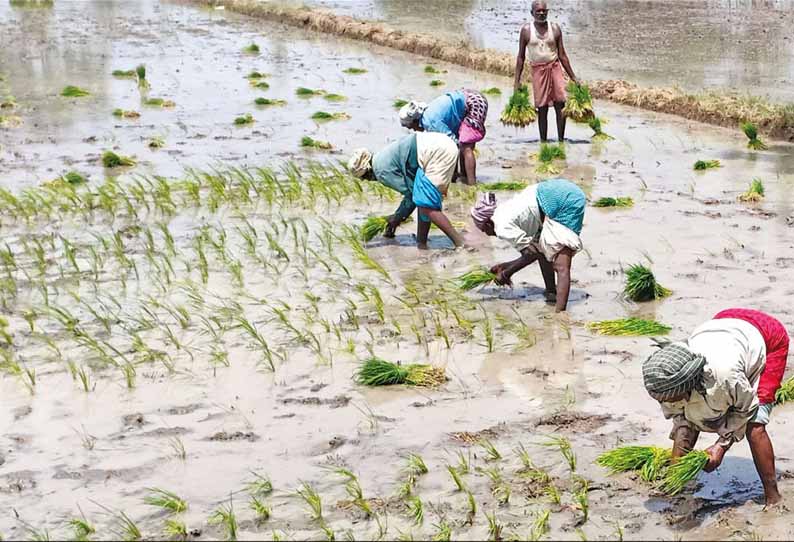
[[564, 202], [672, 371]]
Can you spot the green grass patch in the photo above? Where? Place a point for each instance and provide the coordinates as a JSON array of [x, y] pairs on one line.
[[628, 327], [379, 372], [72, 91], [519, 111]]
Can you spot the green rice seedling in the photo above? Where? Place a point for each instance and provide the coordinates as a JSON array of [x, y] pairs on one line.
[[540, 525], [432, 69], [256, 75], [564, 446], [549, 152], [126, 114], [618, 532], [361, 254], [755, 193], [751, 131], [81, 527], [140, 72], [683, 470], [159, 102], [501, 493], [73, 178], [398, 103], [786, 391], [416, 510], [304, 92], [261, 85], [614, 202], [156, 142], [628, 327], [509, 186], [492, 454], [168, 501], [702, 165], [471, 512], [262, 511], [226, 517], [335, 97], [252, 48], [464, 463], [354, 71], [579, 105], [175, 529], [322, 116], [415, 465], [519, 111], [85, 379], [123, 73], [626, 458], [372, 227], [493, 91], [177, 448], [582, 499], [72, 91], [474, 278], [244, 119], [553, 493], [641, 285], [598, 133], [127, 529], [307, 142], [111, 160], [437, 83], [378, 372], [655, 468], [443, 532], [494, 527], [312, 499], [453, 472]]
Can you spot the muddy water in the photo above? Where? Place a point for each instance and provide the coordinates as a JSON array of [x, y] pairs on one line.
[[711, 251], [744, 46]]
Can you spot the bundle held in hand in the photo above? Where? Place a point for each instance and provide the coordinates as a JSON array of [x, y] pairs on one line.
[[579, 106], [373, 226], [474, 278], [519, 111], [654, 464]]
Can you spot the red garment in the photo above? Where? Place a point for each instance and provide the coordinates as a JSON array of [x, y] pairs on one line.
[[776, 340], [548, 83]]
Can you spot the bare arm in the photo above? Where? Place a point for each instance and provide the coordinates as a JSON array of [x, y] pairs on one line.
[[562, 266], [564, 60], [522, 52], [469, 162], [764, 458], [505, 271]]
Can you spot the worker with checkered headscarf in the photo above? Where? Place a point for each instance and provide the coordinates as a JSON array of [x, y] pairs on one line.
[[723, 379]]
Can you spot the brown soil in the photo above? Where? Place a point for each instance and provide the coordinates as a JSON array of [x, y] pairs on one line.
[[573, 421]]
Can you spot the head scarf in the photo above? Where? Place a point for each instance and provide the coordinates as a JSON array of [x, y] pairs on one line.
[[360, 162], [673, 371], [411, 112], [484, 209]]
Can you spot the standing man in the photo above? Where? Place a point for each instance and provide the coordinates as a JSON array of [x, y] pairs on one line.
[[547, 58]]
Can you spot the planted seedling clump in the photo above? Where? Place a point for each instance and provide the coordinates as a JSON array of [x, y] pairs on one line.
[[335, 97], [379, 372], [140, 72], [325, 116], [519, 111], [702, 165], [73, 178], [579, 105], [474, 278], [751, 131], [546, 157], [641, 285], [304, 92], [614, 202], [627, 327], [158, 102], [261, 85], [755, 193], [306, 141], [111, 160], [72, 91]]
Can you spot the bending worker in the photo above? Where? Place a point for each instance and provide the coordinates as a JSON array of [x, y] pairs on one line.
[[460, 115], [723, 380], [420, 167], [543, 223]]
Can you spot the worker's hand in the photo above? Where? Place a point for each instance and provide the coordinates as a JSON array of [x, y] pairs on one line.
[[716, 453], [391, 227], [502, 277]]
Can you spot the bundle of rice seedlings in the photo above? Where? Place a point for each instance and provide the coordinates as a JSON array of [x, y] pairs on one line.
[[261, 85], [579, 105], [243, 120], [506, 186], [641, 285], [598, 134], [158, 102], [355, 71], [519, 111], [123, 73], [625, 458], [8, 103], [268, 101], [755, 193], [436, 83], [335, 97], [126, 114], [308, 92], [306, 141], [72, 91], [751, 131], [156, 142], [473, 278], [685, 469], [613, 202], [701, 165], [251, 48], [110, 160], [628, 327], [398, 103], [73, 178], [494, 91], [140, 72], [325, 116], [786, 392], [379, 372], [255, 75], [657, 466], [432, 69], [372, 227]]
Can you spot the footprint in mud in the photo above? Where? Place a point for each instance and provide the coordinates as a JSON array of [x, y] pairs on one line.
[[133, 420], [223, 436], [21, 412], [17, 482], [574, 421], [336, 402], [182, 410], [325, 448]]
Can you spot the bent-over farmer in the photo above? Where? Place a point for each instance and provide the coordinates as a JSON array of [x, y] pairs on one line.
[[420, 167], [723, 380], [543, 223], [460, 115], [547, 59]]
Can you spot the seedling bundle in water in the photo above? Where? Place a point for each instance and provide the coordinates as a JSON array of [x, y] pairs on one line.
[[379, 372], [72, 91], [373, 226], [123, 73], [474, 278], [751, 131], [519, 111], [335, 97], [261, 85], [655, 464], [355, 71], [598, 134], [614, 202], [268, 101], [579, 105], [641, 285], [548, 153], [306, 141], [755, 193], [628, 458], [325, 116], [308, 92], [244, 119], [493, 91], [110, 160], [255, 75], [628, 327], [126, 114], [140, 72], [684, 470], [399, 103], [702, 165], [158, 102], [436, 83], [506, 186], [251, 49]]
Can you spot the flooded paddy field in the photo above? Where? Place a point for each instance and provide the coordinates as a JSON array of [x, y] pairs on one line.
[[193, 323]]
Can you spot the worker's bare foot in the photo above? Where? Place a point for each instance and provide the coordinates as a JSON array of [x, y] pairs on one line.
[[421, 246], [551, 297], [775, 503]]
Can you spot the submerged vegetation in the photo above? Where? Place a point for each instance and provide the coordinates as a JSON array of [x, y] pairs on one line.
[[519, 111]]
